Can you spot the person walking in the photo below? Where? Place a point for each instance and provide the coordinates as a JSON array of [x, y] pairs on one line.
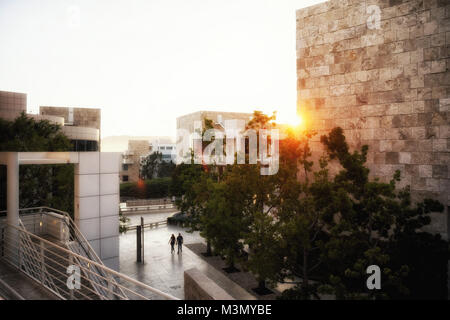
[[180, 243], [172, 243]]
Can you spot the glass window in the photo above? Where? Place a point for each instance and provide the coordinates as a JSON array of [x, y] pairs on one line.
[[124, 178]]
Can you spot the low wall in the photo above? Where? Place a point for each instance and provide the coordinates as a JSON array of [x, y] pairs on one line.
[[148, 202], [198, 286]]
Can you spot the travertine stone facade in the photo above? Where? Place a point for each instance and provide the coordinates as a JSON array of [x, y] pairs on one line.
[[12, 104], [81, 117], [387, 87]]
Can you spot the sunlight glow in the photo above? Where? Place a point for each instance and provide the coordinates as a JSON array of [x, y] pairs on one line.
[[293, 120]]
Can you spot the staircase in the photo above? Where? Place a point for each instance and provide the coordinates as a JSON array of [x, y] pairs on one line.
[[48, 247]]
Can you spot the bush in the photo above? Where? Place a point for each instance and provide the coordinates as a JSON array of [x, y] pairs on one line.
[[149, 189], [178, 218]]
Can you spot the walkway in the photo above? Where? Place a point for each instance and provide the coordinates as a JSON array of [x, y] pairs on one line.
[[163, 270]]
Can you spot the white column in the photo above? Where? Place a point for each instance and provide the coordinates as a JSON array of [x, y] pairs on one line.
[[12, 203], [12, 206], [97, 203]]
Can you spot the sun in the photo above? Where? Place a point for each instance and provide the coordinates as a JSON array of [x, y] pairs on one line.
[[293, 120]]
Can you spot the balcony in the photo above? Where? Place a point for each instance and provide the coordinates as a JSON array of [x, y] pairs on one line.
[[127, 161]]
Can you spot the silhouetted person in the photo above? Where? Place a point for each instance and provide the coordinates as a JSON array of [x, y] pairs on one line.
[[172, 243], [180, 243]]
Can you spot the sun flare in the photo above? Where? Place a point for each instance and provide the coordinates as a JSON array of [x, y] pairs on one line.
[[293, 120]]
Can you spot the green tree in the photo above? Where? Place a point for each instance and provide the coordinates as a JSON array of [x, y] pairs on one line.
[[150, 165], [366, 218], [40, 185]]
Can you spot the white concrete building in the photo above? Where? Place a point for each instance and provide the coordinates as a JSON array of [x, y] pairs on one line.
[[96, 194]]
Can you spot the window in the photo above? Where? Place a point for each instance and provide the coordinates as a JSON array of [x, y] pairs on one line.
[[125, 167], [124, 178], [169, 148], [84, 145]]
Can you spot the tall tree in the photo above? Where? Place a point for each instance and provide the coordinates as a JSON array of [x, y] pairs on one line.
[[43, 185]]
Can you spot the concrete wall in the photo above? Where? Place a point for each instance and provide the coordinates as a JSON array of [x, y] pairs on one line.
[[387, 87], [97, 203], [198, 286]]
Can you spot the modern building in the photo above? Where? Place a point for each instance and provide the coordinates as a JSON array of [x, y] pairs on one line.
[[139, 149], [385, 80], [131, 160], [12, 104], [81, 125]]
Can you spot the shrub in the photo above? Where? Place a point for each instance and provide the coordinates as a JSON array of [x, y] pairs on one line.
[[149, 189]]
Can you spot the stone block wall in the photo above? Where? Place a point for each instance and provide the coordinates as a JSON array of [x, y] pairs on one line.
[[12, 104], [387, 86]]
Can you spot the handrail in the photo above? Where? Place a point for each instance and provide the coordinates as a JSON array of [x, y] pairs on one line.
[[79, 238], [98, 265]]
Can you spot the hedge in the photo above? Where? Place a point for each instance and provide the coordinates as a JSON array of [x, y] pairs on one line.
[[149, 189]]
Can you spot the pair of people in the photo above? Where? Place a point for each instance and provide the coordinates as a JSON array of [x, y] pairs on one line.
[[179, 241]]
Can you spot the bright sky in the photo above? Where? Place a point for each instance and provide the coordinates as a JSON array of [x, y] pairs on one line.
[[145, 62]]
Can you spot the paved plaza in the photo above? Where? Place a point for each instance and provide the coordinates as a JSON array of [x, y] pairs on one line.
[[163, 270]]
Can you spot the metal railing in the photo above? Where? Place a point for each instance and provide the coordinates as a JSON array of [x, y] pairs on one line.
[[47, 261], [60, 226], [128, 210], [49, 264], [150, 225]]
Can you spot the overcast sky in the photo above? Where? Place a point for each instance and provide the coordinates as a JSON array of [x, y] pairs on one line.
[[145, 62]]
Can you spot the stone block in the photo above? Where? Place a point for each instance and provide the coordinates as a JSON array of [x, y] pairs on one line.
[[440, 171], [404, 157], [425, 171], [392, 158]]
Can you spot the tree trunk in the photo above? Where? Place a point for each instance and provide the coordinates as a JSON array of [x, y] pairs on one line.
[[262, 284], [208, 248]]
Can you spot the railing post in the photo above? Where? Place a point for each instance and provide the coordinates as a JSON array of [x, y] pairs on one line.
[[143, 240], [138, 243], [42, 260]]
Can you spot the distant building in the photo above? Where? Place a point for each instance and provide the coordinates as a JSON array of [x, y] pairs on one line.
[[138, 150]]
